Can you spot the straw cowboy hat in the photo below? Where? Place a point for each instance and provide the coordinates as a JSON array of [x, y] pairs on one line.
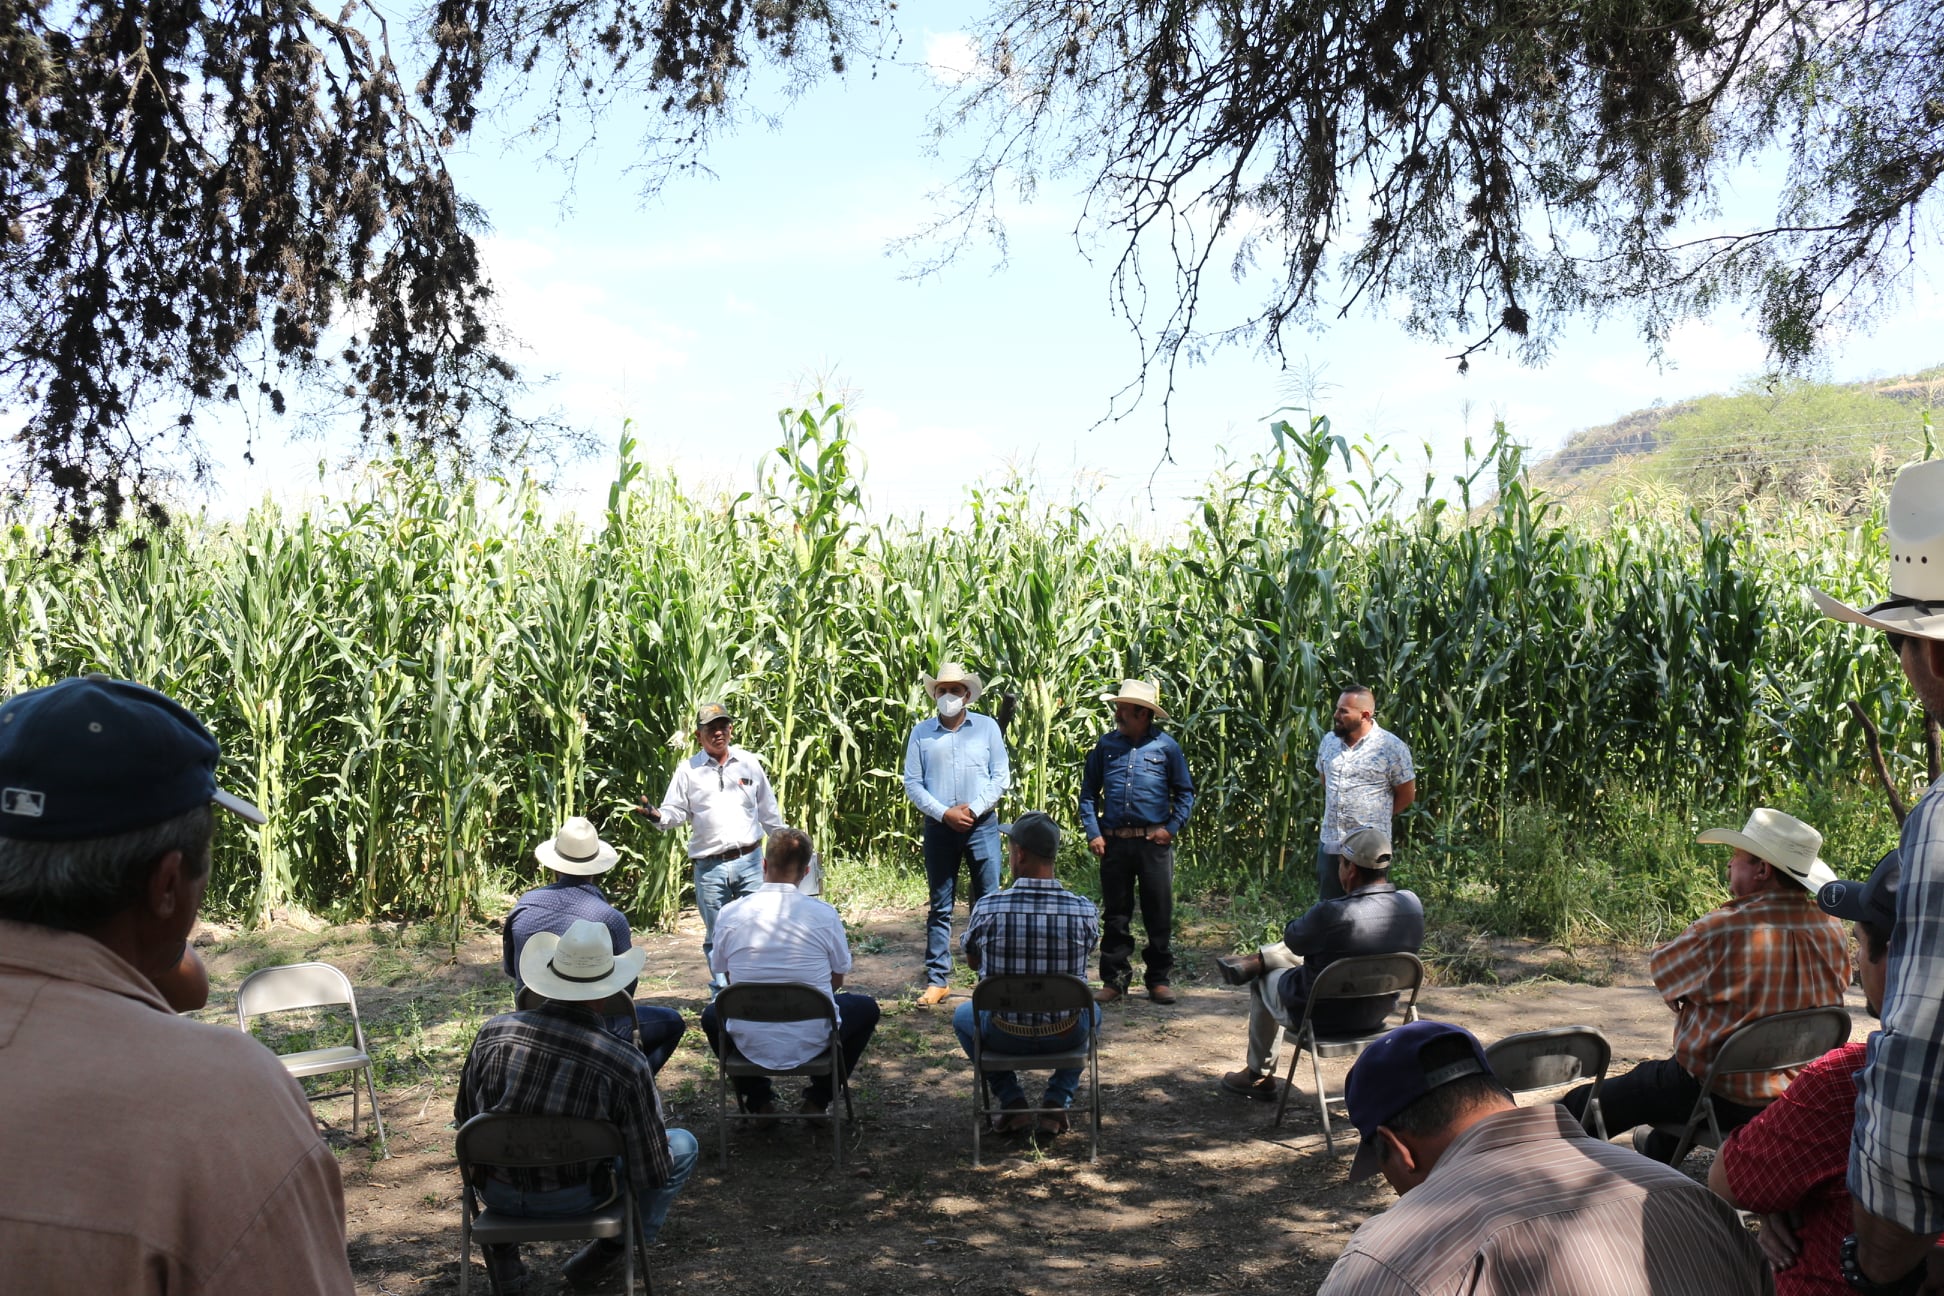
[[1783, 840], [577, 849], [1916, 603], [579, 967], [953, 673], [1139, 693]]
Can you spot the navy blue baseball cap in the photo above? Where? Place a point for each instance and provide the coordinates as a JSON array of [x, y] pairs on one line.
[[1873, 900], [1036, 834], [1388, 1077], [95, 757]]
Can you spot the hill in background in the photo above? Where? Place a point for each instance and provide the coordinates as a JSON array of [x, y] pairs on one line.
[[1835, 444]]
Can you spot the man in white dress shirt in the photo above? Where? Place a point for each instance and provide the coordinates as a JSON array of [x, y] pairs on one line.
[[725, 792], [779, 934]]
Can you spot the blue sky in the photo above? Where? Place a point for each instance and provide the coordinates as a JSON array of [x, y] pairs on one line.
[[703, 311]]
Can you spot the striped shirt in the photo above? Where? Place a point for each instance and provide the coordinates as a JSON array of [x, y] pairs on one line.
[[555, 1060], [1762, 954], [1034, 927], [1526, 1203], [1896, 1167]]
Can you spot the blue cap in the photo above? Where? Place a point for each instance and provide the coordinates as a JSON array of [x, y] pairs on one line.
[[1388, 1077], [96, 757], [1035, 833], [1873, 901]]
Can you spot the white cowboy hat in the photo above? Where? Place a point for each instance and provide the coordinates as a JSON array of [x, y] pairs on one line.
[[953, 673], [1139, 693], [579, 967], [577, 849], [1782, 840], [1916, 523]]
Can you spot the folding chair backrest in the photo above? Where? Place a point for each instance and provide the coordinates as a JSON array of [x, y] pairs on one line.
[[501, 1139], [1365, 976], [780, 1001], [1545, 1059], [1783, 1041], [299, 985], [1025, 993]]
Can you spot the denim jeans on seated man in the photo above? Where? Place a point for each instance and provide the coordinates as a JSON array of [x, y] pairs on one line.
[[715, 886], [944, 849], [857, 1018], [659, 1030], [1004, 1085], [577, 1199]]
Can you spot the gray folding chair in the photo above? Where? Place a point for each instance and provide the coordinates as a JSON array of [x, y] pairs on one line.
[[1547, 1059], [1364, 976], [1778, 1043], [1059, 994], [314, 985], [779, 1001], [528, 1142]]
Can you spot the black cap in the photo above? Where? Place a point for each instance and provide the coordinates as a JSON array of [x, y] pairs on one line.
[[1389, 1076], [1873, 901], [1035, 833], [95, 757]]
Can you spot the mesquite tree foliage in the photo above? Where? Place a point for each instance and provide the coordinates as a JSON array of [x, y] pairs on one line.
[[1486, 166], [246, 201]]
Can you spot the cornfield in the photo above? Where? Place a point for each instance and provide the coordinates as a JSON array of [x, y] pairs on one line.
[[418, 683]]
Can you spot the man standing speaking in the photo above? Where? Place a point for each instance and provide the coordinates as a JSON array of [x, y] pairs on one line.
[[1367, 778]]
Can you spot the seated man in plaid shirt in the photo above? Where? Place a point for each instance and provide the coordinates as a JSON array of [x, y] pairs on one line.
[[1033, 927], [558, 1059], [1769, 950]]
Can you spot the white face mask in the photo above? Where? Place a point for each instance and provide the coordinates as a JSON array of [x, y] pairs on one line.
[[950, 706]]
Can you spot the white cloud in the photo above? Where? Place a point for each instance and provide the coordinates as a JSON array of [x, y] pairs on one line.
[[951, 57]]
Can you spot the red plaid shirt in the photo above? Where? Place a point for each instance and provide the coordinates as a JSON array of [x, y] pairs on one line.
[[1763, 954]]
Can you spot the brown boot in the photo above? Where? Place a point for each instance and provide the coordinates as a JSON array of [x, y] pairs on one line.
[[1262, 1088], [1163, 994], [1108, 994], [1242, 969]]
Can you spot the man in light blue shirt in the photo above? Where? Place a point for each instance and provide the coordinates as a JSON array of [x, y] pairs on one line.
[[955, 771]]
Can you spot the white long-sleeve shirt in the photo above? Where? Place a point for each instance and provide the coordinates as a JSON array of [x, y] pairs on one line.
[[730, 803]]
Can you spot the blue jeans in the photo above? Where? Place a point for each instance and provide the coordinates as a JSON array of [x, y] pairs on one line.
[[1004, 1085], [652, 1210], [1328, 885], [715, 886], [660, 1028], [944, 850]]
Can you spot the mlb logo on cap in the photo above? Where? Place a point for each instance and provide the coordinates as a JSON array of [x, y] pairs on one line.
[[20, 801]]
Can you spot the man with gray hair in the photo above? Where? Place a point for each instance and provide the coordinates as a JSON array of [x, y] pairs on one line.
[[144, 1152]]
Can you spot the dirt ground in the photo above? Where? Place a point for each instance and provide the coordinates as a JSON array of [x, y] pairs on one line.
[[1194, 1190]]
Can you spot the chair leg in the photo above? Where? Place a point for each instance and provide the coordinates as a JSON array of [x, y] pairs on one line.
[[377, 1117], [837, 1120], [722, 1113], [630, 1244], [465, 1243], [1322, 1101], [1093, 1097], [978, 1101], [1282, 1099]]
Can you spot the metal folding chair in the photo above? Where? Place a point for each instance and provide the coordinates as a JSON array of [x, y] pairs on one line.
[[778, 1001], [1547, 1059], [528, 1142], [1058, 994], [1363, 976], [1777, 1043], [314, 985]]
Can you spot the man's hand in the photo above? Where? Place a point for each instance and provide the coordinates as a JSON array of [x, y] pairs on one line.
[[1098, 846], [643, 807], [1886, 1250], [1160, 836], [959, 818], [1778, 1241]]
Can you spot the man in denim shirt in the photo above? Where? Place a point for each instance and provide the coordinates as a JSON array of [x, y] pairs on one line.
[[955, 771], [1134, 799]]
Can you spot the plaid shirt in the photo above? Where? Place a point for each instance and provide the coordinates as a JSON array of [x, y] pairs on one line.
[[1767, 953], [555, 1060], [1033, 927], [1896, 1166]]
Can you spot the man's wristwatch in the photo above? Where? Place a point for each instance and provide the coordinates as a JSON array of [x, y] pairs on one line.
[[1859, 1281]]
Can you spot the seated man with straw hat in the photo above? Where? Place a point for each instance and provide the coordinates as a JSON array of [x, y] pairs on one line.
[[577, 855], [1135, 795], [1769, 950], [557, 1058]]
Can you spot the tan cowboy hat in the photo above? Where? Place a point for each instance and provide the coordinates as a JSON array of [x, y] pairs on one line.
[[1139, 693], [1781, 839], [953, 673], [1916, 522], [577, 849], [579, 967]]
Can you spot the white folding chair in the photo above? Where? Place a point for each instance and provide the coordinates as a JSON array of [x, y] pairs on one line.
[[1780, 1042], [1362, 976], [1547, 1059], [314, 985], [1025, 993], [778, 1001]]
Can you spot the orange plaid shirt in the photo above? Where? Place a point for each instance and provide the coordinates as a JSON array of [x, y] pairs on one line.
[[1768, 953]]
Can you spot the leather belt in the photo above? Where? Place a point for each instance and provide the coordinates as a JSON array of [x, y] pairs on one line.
[[735, 853], [1141, 831], [1058, 1027]]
